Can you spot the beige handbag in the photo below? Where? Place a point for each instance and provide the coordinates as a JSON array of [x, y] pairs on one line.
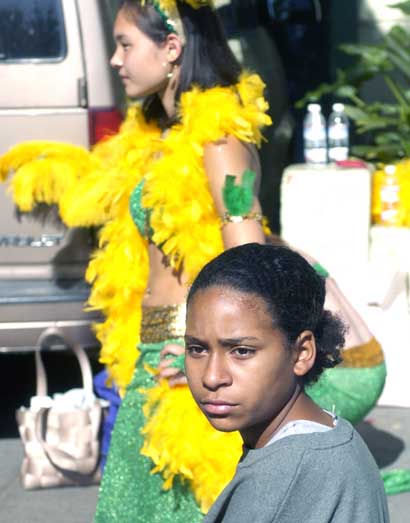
[[61, 438]]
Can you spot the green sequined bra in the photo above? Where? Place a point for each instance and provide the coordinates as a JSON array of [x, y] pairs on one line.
[[139, 214]]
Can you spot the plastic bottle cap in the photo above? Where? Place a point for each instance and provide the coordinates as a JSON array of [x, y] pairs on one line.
[[338, 107], [390, 169], [314, 108]]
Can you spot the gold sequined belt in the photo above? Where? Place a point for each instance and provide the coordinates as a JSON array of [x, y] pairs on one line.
[[369, 354], [162, 323]]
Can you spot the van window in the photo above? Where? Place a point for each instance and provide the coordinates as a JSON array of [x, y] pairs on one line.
[[31, 30]]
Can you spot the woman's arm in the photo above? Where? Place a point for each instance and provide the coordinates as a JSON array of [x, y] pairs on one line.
[[230, 156]]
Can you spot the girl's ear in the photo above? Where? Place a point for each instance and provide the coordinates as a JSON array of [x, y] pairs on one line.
[[305, 351], [173, 48]]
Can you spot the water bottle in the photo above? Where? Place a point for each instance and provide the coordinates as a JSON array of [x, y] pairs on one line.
[[338, 134], [390, 207], [314, 135]]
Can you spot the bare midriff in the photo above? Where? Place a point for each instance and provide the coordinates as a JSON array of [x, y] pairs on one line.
[[165, 286]]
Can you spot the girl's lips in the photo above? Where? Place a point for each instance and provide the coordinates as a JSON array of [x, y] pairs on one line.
[[218, 408]]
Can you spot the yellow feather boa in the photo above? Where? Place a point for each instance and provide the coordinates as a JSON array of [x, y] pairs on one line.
[[94, 189], [180, 441]]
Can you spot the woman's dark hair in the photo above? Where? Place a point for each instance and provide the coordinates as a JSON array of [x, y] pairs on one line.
[[206, 60], [292, 290]]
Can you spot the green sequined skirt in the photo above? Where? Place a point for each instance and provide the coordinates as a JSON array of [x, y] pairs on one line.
[[349, 392], [129, 493]]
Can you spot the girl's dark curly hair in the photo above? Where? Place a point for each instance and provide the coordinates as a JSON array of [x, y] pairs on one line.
[[292, 290]]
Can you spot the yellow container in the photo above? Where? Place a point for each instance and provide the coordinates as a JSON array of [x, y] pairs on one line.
[[391, 195]]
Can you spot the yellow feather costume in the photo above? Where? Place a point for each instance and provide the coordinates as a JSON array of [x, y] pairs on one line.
[[94, 189], [208, 465]]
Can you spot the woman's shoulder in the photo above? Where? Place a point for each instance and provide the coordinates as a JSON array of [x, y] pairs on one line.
[[238, 110], [231, 146], [230, 155]]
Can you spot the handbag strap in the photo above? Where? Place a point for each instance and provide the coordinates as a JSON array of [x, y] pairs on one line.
[[82, 358], [57, 457]]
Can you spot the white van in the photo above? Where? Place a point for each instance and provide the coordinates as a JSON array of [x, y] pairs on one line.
[[55, 84]]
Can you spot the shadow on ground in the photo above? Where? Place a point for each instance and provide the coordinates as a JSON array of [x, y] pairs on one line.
[[384, 446]]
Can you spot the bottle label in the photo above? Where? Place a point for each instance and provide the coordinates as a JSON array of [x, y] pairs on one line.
[[390, 194], [390, 217], [338, 154], [316, 155], [338, 132], [315, 133]]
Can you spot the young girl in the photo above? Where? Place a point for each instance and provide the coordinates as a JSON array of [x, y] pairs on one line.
[[256, 335]]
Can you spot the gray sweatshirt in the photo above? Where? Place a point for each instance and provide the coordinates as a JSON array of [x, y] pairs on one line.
[[305, 478]]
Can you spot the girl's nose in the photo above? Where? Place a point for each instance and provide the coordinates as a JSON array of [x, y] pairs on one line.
[[216, 373], [116, 60]]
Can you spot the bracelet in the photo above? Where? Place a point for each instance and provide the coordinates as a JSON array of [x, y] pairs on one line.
[[229, 218]]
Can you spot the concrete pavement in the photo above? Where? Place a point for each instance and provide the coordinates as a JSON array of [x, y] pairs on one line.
[[62, 505], [386, 431]]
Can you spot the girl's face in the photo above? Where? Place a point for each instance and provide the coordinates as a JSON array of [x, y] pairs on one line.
[[142, 64], [239, 370]]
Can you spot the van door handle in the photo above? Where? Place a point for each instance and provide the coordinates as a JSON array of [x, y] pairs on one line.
[[82, 92]]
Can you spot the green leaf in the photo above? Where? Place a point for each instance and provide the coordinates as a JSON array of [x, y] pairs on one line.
[[370, 54], [366, 127], [400, 36], [388, 138], [403, 6], [396, 91], [356, 114], [314, 96], [397, 46], [402, 66], [346, 91], [384, 109], [383, 153]]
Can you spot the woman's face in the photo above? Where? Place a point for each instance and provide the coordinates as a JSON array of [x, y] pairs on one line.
[[141, 63], [239, 370]]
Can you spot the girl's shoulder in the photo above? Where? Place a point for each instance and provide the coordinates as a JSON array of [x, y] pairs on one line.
[[239, 110]]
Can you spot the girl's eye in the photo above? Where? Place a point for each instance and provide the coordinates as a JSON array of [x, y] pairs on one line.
[[195, 350], [243, 352]]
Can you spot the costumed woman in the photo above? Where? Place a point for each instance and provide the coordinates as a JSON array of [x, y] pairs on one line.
[[175, 187]]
